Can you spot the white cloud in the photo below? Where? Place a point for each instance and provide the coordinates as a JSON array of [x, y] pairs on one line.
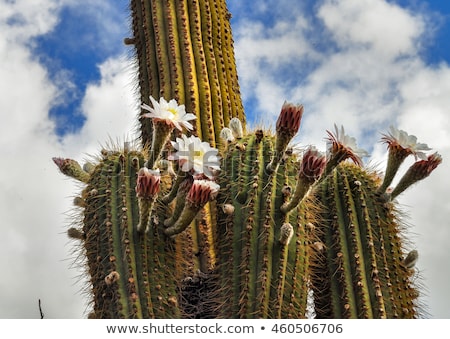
[[35, 253], [276, 48], [32, 248], [22, 19], [387, 29], [107, 23], [109, 107]]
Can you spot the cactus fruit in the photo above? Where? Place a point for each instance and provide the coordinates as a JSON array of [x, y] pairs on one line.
[[250, 229]]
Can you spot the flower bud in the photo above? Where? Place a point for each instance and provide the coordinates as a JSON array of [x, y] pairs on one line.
[[148, 183], [227, 135], [286, 233], [289, 119], [236, 128]]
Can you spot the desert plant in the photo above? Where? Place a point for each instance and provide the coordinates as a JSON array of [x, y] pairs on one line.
[[207, 219]]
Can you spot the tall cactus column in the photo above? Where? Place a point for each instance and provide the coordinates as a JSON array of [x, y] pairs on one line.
[[185, 52], [247, 233]]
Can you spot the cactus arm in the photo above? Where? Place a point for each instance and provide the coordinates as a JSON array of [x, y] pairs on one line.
[[132, 275], [72, 169], [267, 274], [364, 251]]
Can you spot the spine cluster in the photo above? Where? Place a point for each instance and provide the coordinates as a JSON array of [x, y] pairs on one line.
[[250, 229]]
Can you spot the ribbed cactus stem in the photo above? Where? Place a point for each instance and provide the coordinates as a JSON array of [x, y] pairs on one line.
[[132, 275], [185, 51], [366, 277], [261, 271]]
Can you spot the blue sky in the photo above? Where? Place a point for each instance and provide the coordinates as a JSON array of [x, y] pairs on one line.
[[69, 84], [76, 45]]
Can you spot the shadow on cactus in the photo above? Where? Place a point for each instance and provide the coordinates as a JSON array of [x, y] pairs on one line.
[[177, 228]]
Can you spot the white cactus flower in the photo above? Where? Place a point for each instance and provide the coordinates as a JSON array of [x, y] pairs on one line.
[[345, 144], [169, 112], [195, 155], [399, 138]]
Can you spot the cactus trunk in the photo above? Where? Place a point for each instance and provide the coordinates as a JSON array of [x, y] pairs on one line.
[[185, 52]]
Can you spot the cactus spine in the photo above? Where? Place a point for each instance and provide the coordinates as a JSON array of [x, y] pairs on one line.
[[365, 276], [262, 251], [132, 275], [185, 52], [257, 239]]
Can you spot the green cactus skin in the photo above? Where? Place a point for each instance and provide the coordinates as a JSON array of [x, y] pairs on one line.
[[184, 51], [362, 251], [260, 277], [243, 256], [132, 275]]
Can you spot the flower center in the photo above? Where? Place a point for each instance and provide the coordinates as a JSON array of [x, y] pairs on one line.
[[173, 111], [198, 156]]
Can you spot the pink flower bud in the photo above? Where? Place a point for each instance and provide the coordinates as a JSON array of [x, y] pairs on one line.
[[313, 164], [148, 183], [289, 119], [418, 171], [202, 191], [423, 168]]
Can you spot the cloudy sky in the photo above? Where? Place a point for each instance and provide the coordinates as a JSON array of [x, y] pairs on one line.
[[67, 88]]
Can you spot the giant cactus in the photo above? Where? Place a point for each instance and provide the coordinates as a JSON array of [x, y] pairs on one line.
[[250, 229]]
